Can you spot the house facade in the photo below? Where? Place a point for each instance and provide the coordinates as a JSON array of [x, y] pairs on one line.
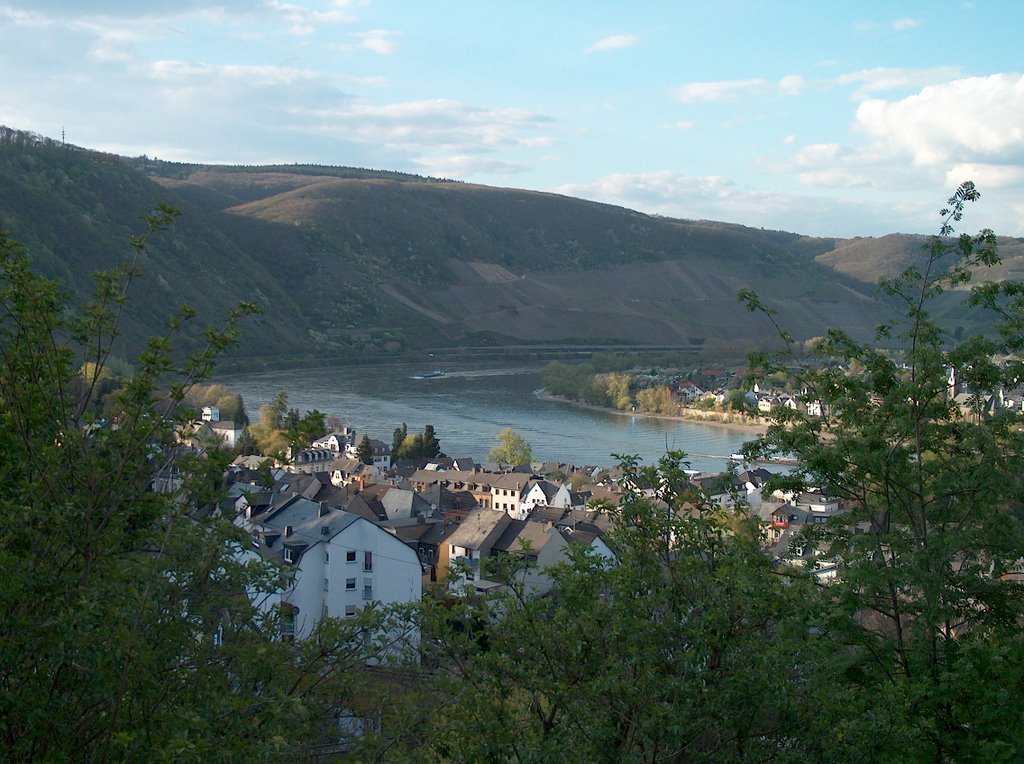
[[336, 562], [381, 453], [542, 493]]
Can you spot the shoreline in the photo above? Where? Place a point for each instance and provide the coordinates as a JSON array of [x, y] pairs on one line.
[[754, 428]]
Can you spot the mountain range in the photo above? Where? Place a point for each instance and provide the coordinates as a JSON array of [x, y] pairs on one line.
[[351, 264]]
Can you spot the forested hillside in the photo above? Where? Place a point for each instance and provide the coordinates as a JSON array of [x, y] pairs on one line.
[[350, 263]]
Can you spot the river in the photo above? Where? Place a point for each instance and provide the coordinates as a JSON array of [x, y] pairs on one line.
[[469, 406]]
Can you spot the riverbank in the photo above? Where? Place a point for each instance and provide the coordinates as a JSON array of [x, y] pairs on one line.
[[697, 417]]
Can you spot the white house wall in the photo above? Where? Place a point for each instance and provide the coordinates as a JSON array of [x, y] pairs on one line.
[[396, 575]]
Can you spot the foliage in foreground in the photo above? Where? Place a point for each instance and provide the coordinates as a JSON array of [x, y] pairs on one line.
[[695, 647], [127, 631], [925, 624], [671, 653]]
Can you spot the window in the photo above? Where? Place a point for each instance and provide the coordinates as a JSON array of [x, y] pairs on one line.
[[327, 556], [350, 611], [326, 584], [367, 561], [288, 555], [367, 588], [350, 583], [350, 555]]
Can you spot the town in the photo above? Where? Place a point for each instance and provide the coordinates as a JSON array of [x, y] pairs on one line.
[[396, 528]]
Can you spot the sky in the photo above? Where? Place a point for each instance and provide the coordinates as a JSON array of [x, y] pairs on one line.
[[823, 118]]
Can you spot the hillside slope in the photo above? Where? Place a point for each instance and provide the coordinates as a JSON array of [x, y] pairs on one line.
[[349, 262]]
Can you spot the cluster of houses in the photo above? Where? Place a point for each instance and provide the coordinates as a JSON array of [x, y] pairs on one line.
[[713, 386], [349, 534]]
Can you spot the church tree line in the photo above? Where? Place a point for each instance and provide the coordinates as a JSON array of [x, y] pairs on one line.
[[128, 634]]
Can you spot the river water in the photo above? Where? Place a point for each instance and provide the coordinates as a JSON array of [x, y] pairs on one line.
[[468, 407]]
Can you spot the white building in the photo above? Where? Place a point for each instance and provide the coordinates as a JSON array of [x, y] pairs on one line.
[[542, 493], [335, 441], [381, 453], [337, 562]]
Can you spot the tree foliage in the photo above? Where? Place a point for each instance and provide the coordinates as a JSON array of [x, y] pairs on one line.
[[511, 448], [127, 632], [364, 451], [925, 621], [281, 428], [682, 649], [657, 400], [422, 445], [693, 645], [231, 406]]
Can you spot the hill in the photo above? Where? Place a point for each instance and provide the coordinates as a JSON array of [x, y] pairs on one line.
[[350, 263]]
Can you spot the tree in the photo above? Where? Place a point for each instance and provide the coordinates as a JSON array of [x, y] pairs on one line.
[[422, 445], [281, 428], [737, 400], [512, 449], [247, 445], [267, 431], [925, 619], [618, 391], [305, 429], [659, 400], [681, 649], [431, 445], [128, 634], [276, 411], [398, 438], [364, 451]]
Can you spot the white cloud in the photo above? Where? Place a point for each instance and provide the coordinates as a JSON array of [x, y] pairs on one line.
[[905, 23], [976, 119], [462, 166], [24, 18], [891, 78], [717, 91], [965, 129], [119, 8], [304, 21], [718, 198], [382, 41], [199, 75], [661, 192], [790, 85], [681, 125], [613, 43], [439, 124], [986, 175], [836, 177]]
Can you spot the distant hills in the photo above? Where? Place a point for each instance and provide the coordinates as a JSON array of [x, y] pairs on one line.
[[351, 264]]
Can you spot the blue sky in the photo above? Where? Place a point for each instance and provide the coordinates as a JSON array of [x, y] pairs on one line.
[[823, 118]]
